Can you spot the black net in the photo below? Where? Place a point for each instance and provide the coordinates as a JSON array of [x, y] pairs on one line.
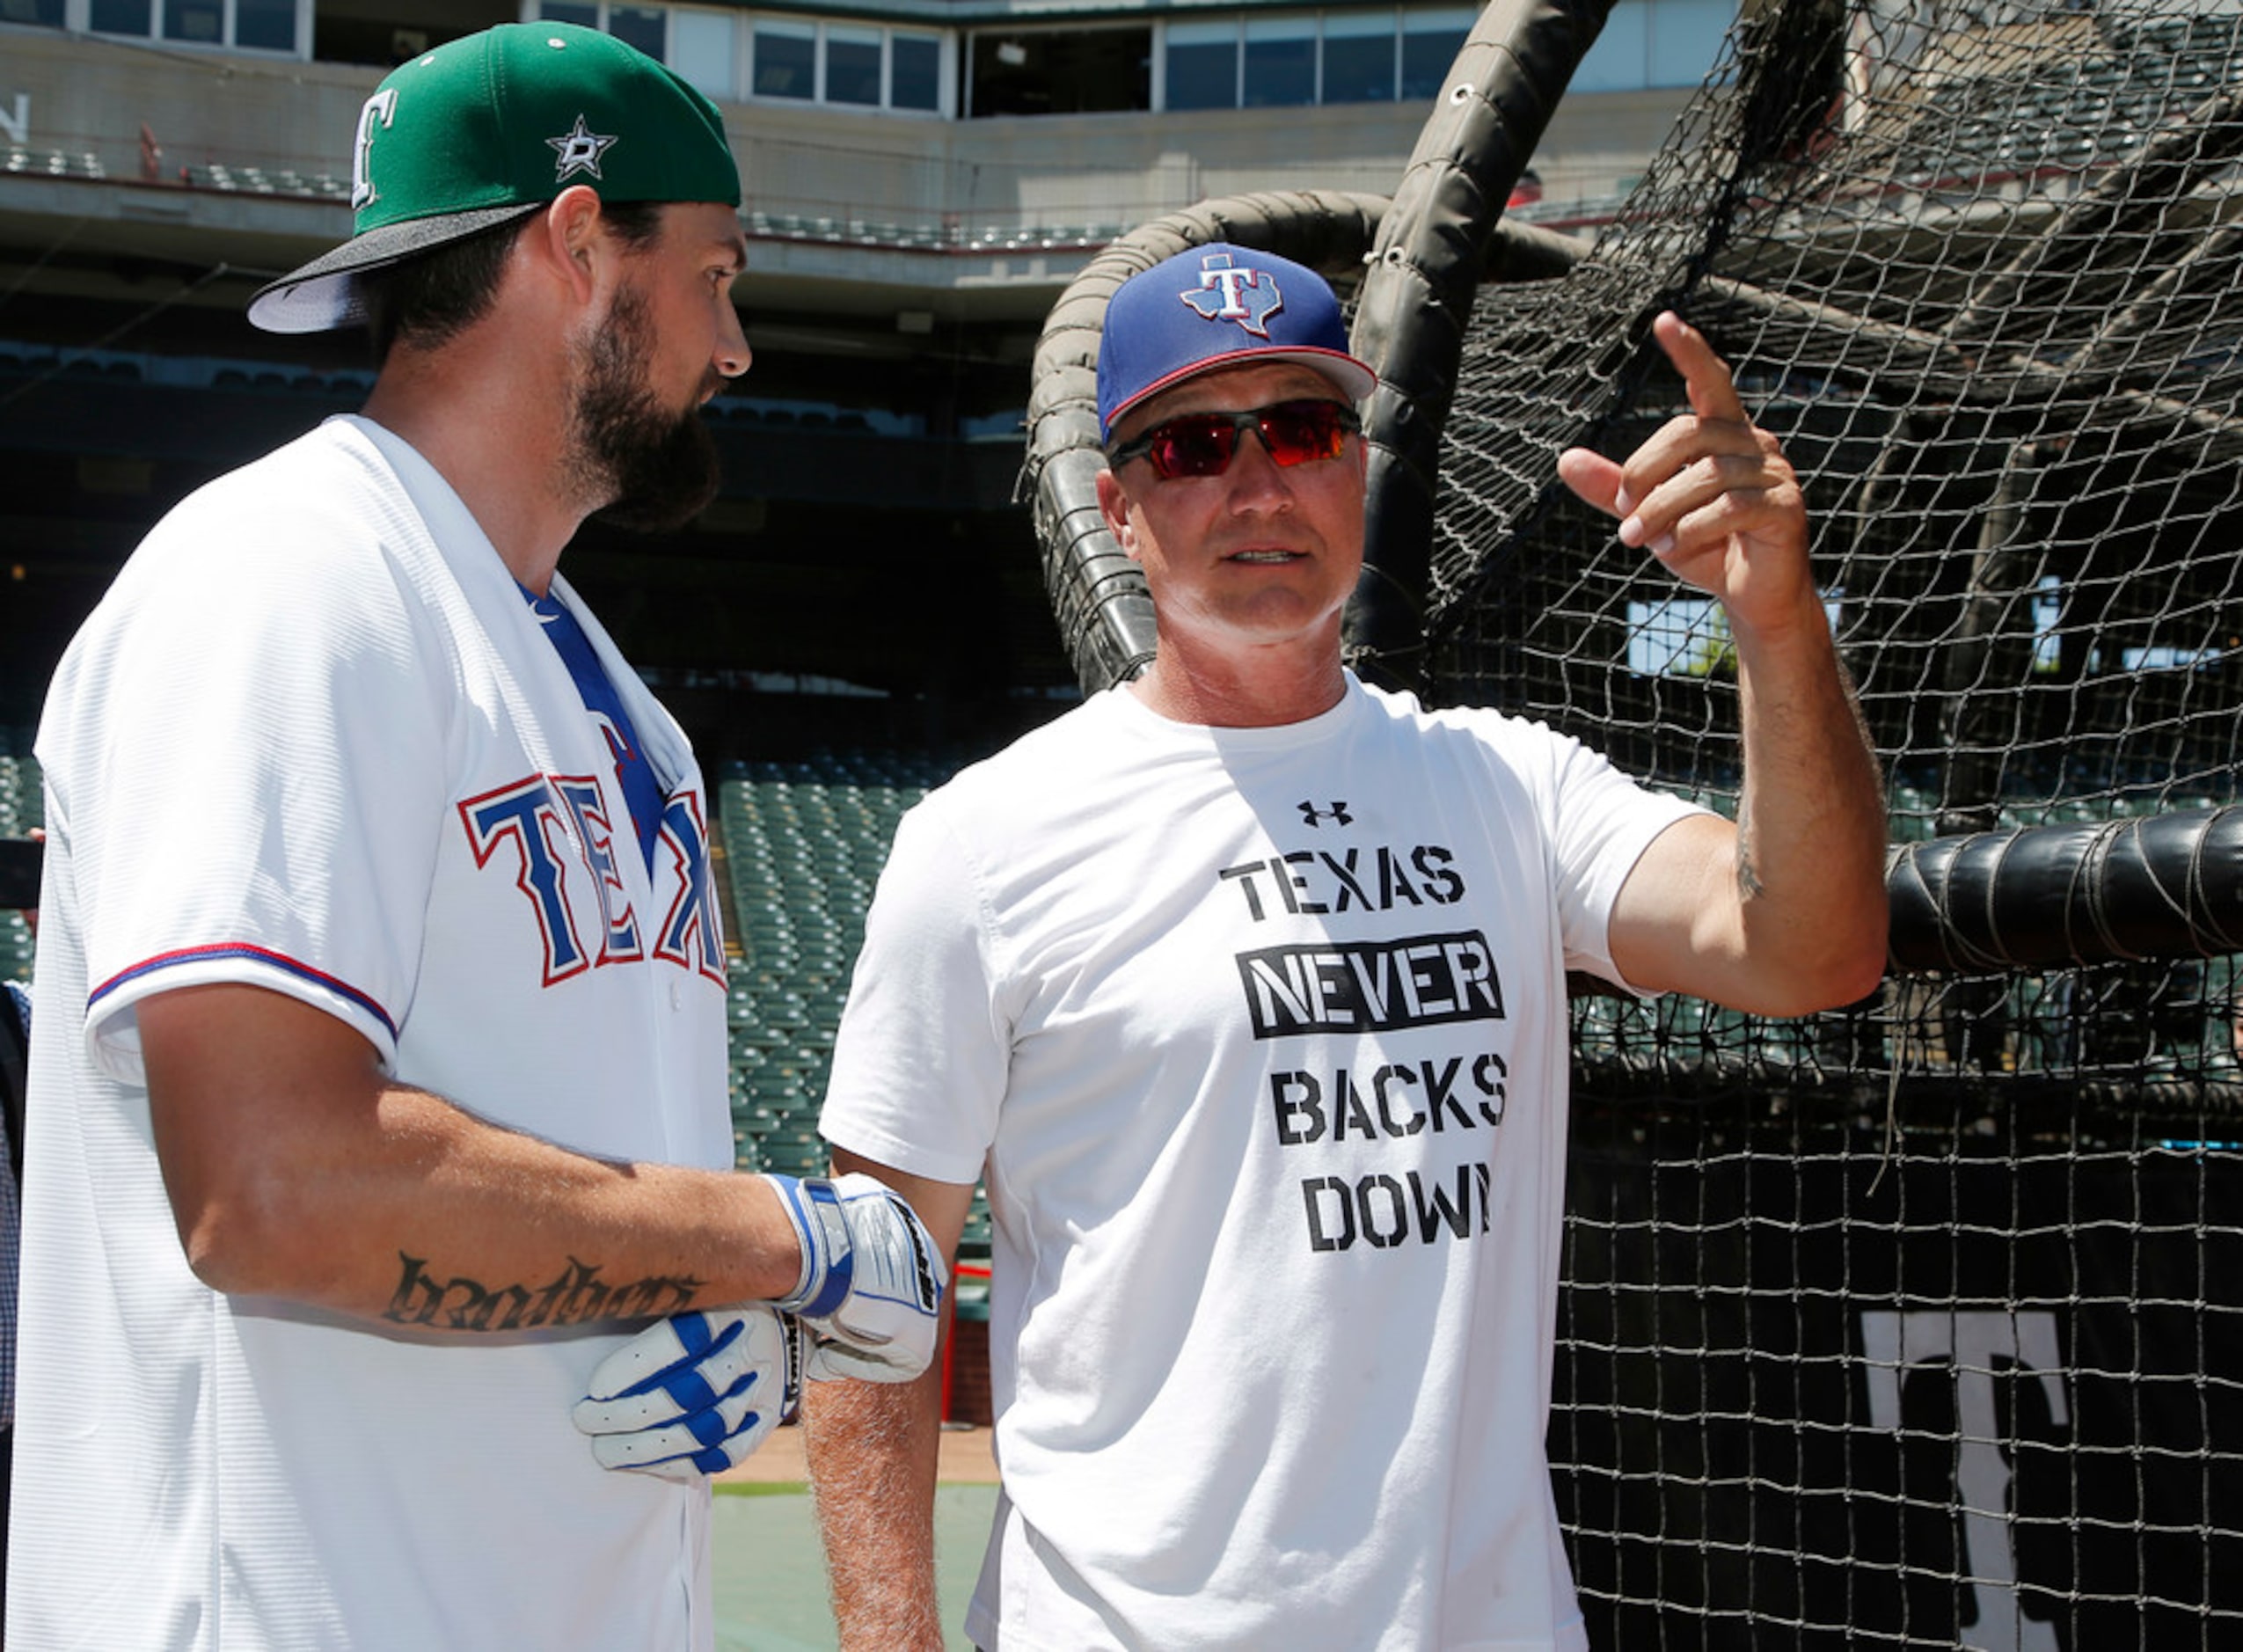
[[1919, 1323], [1975, 271], [1961, 1373]]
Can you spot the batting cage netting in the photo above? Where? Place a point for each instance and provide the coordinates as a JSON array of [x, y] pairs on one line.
[[1919, 1323]]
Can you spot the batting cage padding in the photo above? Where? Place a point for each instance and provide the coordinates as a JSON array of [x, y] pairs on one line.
[[1917, 1323], [2163, 886]]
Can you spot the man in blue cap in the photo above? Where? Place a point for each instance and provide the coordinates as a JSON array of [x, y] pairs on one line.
[[378, 1066], [1243, 986]]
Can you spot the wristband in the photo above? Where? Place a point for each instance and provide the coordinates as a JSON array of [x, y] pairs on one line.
[[828, 1263]]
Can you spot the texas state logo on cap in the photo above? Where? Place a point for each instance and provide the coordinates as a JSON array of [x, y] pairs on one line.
[[1218, 306]]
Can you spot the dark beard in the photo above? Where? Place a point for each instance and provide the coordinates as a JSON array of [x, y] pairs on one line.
[[660, 465]]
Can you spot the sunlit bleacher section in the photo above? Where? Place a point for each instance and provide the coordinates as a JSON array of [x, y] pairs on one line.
[[802, 844], [20, 810]]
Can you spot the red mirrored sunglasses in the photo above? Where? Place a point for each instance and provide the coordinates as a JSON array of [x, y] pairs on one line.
[[1202, 443]]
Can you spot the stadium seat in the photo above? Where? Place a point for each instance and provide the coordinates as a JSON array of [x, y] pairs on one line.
[[803, 844]]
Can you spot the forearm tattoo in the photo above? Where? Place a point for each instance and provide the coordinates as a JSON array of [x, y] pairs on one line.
[[578, 1296], [1748, 866]]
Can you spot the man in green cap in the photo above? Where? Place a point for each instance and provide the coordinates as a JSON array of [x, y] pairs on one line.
[[379, 1065]]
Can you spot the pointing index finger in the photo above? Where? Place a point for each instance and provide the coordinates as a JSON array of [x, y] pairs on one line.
[[1712, 391]]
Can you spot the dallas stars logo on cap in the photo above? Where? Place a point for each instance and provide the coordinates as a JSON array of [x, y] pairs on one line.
[[1229, 292], [580, 151]]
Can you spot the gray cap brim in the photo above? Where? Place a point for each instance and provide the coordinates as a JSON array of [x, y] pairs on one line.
[[325, 293]]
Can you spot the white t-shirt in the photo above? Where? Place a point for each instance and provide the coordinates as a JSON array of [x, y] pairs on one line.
[[313, 740], [1261, 1035]]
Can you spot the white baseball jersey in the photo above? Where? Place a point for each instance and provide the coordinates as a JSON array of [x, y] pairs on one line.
[[1261, 1035], [313, 740]]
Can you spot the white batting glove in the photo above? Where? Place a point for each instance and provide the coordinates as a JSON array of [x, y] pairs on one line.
[[872, 1284], [694, 1394]]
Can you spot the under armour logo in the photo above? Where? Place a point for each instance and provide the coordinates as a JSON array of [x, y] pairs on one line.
[[1225, 293], [1315, 816], [580, 151]]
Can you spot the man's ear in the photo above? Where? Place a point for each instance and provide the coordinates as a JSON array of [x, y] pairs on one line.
[[1114, 505], [570, 239]]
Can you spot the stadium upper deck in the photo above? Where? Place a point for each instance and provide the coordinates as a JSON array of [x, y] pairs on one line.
[[924, 177]]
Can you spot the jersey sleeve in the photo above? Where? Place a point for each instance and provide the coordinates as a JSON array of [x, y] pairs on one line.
[[921, 1061], [1602, 821], [256, 772]]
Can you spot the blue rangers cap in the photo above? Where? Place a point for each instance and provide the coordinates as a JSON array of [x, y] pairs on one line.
[[1218, 306]]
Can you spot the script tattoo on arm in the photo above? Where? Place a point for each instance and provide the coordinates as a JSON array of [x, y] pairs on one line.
[[579, 1296]]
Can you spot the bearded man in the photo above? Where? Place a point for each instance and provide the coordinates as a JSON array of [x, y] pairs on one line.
[[379, 1056]]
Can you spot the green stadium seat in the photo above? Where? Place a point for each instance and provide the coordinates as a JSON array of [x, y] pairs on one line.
[[803, 845]]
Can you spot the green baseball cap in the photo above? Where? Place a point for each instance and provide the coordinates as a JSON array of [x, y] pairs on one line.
[[490, 128]]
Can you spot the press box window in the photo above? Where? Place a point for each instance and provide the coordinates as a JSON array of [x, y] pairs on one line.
[[853, 66], [1273, 63], [787, 61], [121, 16], [1281, 62], [1359, 58], [646, 28], [202, 24], [642, 26], [915, 71], [1430, 42], [1672, 43], [701, 49], [1059, 72], [267, 25], [1203, 66]]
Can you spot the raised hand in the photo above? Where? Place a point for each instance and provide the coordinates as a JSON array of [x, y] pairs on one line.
[[1710, 494]]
